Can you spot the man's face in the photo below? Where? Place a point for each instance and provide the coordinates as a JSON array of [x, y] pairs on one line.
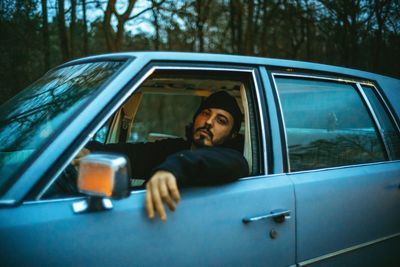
[[213, 126]]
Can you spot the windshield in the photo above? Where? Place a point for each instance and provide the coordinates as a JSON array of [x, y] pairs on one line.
[[29, 119]]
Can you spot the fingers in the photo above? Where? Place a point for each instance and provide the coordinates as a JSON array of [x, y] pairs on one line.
[[161, 188], [158, 205], [173, 189], [165, 196], [149, 203], [81, 154]]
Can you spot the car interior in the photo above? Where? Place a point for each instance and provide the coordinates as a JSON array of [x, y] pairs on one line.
[[163, 107]]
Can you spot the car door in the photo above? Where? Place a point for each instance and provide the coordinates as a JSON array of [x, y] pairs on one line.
[[250, 222], [342, 153]]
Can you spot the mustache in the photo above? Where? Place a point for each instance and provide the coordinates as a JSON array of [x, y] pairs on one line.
[[207, 129]]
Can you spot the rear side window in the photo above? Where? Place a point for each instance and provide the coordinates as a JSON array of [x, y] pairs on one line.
[[386, 123], [327, 124]]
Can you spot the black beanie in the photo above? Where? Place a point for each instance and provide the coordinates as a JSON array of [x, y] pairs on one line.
[[225, 101]]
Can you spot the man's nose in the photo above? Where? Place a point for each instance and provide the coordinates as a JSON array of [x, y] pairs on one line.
[[210, 120]]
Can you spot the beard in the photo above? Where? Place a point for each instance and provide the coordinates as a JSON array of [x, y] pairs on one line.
[[200, 141], [209, 140]]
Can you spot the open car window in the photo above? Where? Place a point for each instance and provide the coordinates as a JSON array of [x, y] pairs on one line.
[[164, 105]]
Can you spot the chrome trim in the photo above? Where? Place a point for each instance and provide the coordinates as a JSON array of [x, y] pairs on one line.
[[349, 249], [256, 87], [249, 69], [374, 117], [309, 76], [262, 118], [91, 205], [346, 166], [8, 202], [359, 89], [53, 200], [133, 88], [261, 176], [285, 213], [386, 106], [279, 104]]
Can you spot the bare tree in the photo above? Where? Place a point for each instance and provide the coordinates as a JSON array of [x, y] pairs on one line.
[[381, 11], [62, 31], [202, 8], [72, 28], [236, 25], [349, 16], [248, 42], [114, 40], [85, 30], [46, 38]]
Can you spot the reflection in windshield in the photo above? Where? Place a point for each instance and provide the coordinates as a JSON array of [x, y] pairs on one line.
[[29, 119]]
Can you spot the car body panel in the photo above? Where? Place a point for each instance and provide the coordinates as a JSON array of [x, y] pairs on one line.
[[207, 230], [348, 206]]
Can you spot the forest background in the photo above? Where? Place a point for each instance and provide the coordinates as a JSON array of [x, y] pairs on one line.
[[36, 35]]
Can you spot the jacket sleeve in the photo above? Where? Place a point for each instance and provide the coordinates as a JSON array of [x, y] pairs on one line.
[[206, 166], [143, 157]]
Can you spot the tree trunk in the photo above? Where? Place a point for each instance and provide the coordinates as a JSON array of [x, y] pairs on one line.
[[85, 31], [381, 9], [108, 32], [248, 47], [239, 27], [72, 28], [155, 12], [232, 26], [46, 38], [199, 25], [62, 31], [115, 43]]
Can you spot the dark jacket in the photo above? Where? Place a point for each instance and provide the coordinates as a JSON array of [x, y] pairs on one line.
[[202, 166]]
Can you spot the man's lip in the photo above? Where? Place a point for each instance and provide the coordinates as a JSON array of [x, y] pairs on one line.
[[204, 132]]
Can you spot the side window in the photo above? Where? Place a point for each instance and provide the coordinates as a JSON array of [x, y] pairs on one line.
[[163, 107], [388, 128], [327, 124], [162, 116]]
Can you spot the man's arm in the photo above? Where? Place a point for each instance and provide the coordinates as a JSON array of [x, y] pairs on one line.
[[143, 157], [206, 166]]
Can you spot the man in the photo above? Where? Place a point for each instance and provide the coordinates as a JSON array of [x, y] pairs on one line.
[[212, 154]]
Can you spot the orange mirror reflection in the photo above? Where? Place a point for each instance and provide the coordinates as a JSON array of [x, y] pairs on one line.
[[95, 179]]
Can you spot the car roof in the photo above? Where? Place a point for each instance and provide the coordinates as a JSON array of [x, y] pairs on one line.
[[238, 59], [391, 86]]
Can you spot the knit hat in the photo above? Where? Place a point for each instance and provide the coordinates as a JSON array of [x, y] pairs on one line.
[[225, 101]]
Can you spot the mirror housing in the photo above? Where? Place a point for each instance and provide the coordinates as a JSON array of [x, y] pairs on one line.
[[104, 175]]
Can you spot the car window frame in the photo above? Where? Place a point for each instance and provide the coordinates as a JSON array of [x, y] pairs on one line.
[[357, 84], [258, 106]]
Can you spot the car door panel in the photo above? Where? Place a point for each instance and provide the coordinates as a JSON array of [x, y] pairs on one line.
[[347, 211], [207, 230]]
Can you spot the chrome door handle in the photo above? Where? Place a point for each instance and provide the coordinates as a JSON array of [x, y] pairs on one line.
[[279, 216]]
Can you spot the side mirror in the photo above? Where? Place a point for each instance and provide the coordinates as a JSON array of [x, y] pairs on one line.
[[102, 176]]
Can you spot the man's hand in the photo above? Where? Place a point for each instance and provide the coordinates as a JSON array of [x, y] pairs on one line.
[[161, 188], [75, 162]]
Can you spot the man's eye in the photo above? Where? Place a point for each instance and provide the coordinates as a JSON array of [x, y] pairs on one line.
[[205, 113], [222, 121]]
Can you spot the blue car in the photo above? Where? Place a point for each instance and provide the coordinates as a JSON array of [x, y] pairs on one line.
[[322, 144]]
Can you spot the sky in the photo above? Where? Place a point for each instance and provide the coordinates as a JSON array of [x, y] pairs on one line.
[[135, 26]]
